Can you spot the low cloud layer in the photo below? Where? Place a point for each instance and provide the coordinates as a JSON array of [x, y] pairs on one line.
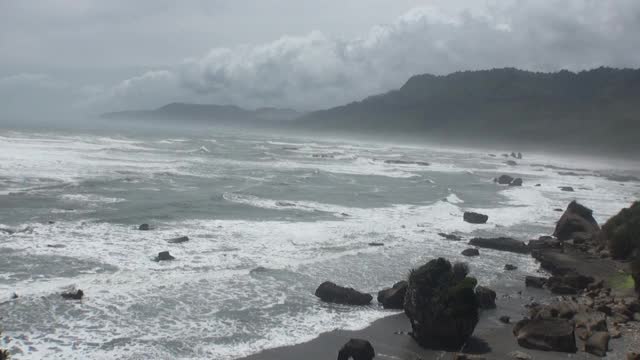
[[317, 70]]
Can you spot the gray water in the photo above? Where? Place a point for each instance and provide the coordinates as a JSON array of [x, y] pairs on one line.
[[269, 218]]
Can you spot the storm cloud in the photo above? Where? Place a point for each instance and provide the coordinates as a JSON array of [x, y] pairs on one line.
[[320, 69]]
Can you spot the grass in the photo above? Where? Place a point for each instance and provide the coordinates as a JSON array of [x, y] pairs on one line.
[[622, 281]]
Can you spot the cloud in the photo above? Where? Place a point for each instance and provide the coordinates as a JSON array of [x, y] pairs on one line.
[[318, 70]]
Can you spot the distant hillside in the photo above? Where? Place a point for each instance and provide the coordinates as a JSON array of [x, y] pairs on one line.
[[217, 113], [597, 109]]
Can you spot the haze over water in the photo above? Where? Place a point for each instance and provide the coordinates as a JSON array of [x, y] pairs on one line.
[[269, 218]]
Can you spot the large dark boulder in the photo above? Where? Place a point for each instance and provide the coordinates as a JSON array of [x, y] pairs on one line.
[[577, 219], [441, 305], [486, 297], [330, 292], [501, 243], [546, 335], [178, 240], [357, 349], [73, 295], [393, 298], [622, 232], [474, 218], [164, 256], [144, 227], [470, 252]]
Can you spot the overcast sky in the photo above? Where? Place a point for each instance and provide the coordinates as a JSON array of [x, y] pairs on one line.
[[91, 56]]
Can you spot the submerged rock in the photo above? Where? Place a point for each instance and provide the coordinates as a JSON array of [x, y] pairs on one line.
[[376, 244], [73, 295], [451, 237], [357, 349], [546, 335], [566, 188], [576, 220], [510, 267], [164, 256], [501, 243], [441, 305], [330, 292], [475, 218], [178, 240], [393, 298], [470, 252]]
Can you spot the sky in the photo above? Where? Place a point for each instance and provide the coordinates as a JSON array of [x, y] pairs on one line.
[[63, 57]]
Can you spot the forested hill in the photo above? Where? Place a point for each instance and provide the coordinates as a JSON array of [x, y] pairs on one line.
[[599, 108]]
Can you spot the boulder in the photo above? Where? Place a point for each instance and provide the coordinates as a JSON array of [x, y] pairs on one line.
[[544, 242], [501, 243], [504, 180], [475, 218], [73, 295], [505, 319], [535, 281], [519, 355], [576, 219], [356, 349], [441, 305], [376, 244], [516, 182], [164, 256], [598, 343], [566, 188], [546, 335], [510, 267], [178, 240], [393, 298], [519, 155], [486, 297], [461, 356], [511, 163], [144, 227], [622, 232], [470, 252], [330, 292]]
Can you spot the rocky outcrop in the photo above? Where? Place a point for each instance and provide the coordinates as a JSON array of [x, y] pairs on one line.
[[441, 305], [357, 349], [144, 227], [622, 232], [73, 295], [475, 218], [486, 297], [501, 243], [330, 292], [470, 252], [577, 220], [569, 283], [393, 298], [546, 335], [164, 256]]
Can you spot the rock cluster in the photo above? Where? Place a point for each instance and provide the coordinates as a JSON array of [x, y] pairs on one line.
[[508, 180]]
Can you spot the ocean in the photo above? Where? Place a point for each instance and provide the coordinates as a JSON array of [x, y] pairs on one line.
[[269, 218]]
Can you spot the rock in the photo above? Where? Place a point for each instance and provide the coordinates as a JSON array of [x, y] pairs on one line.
[[178, 240], [393, 298], [511, 163], [566, 188], [461, 356], [569, 283], [501, 243], [621, 233], [164, 256], [621, 178], [441, 305], [470, 252], [513, 155], [56, 246], [77, 295], [544, 242], [475, 218], [406, 162], [486, 297], [519, 155], [330, 292], [505, 319], [510, 267], [504, 180], [538, 185], [519, 355], [576, 219], [357, 349], [451, 237], [144, 227], [376, 244], [598, 343], [535, 281], [14, 296], [285, 203], [633, 356], [516, 182], [546, 335]]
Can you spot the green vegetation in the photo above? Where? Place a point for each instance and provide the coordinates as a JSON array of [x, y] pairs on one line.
[[596, 109], [622, 232], [622, 281]]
